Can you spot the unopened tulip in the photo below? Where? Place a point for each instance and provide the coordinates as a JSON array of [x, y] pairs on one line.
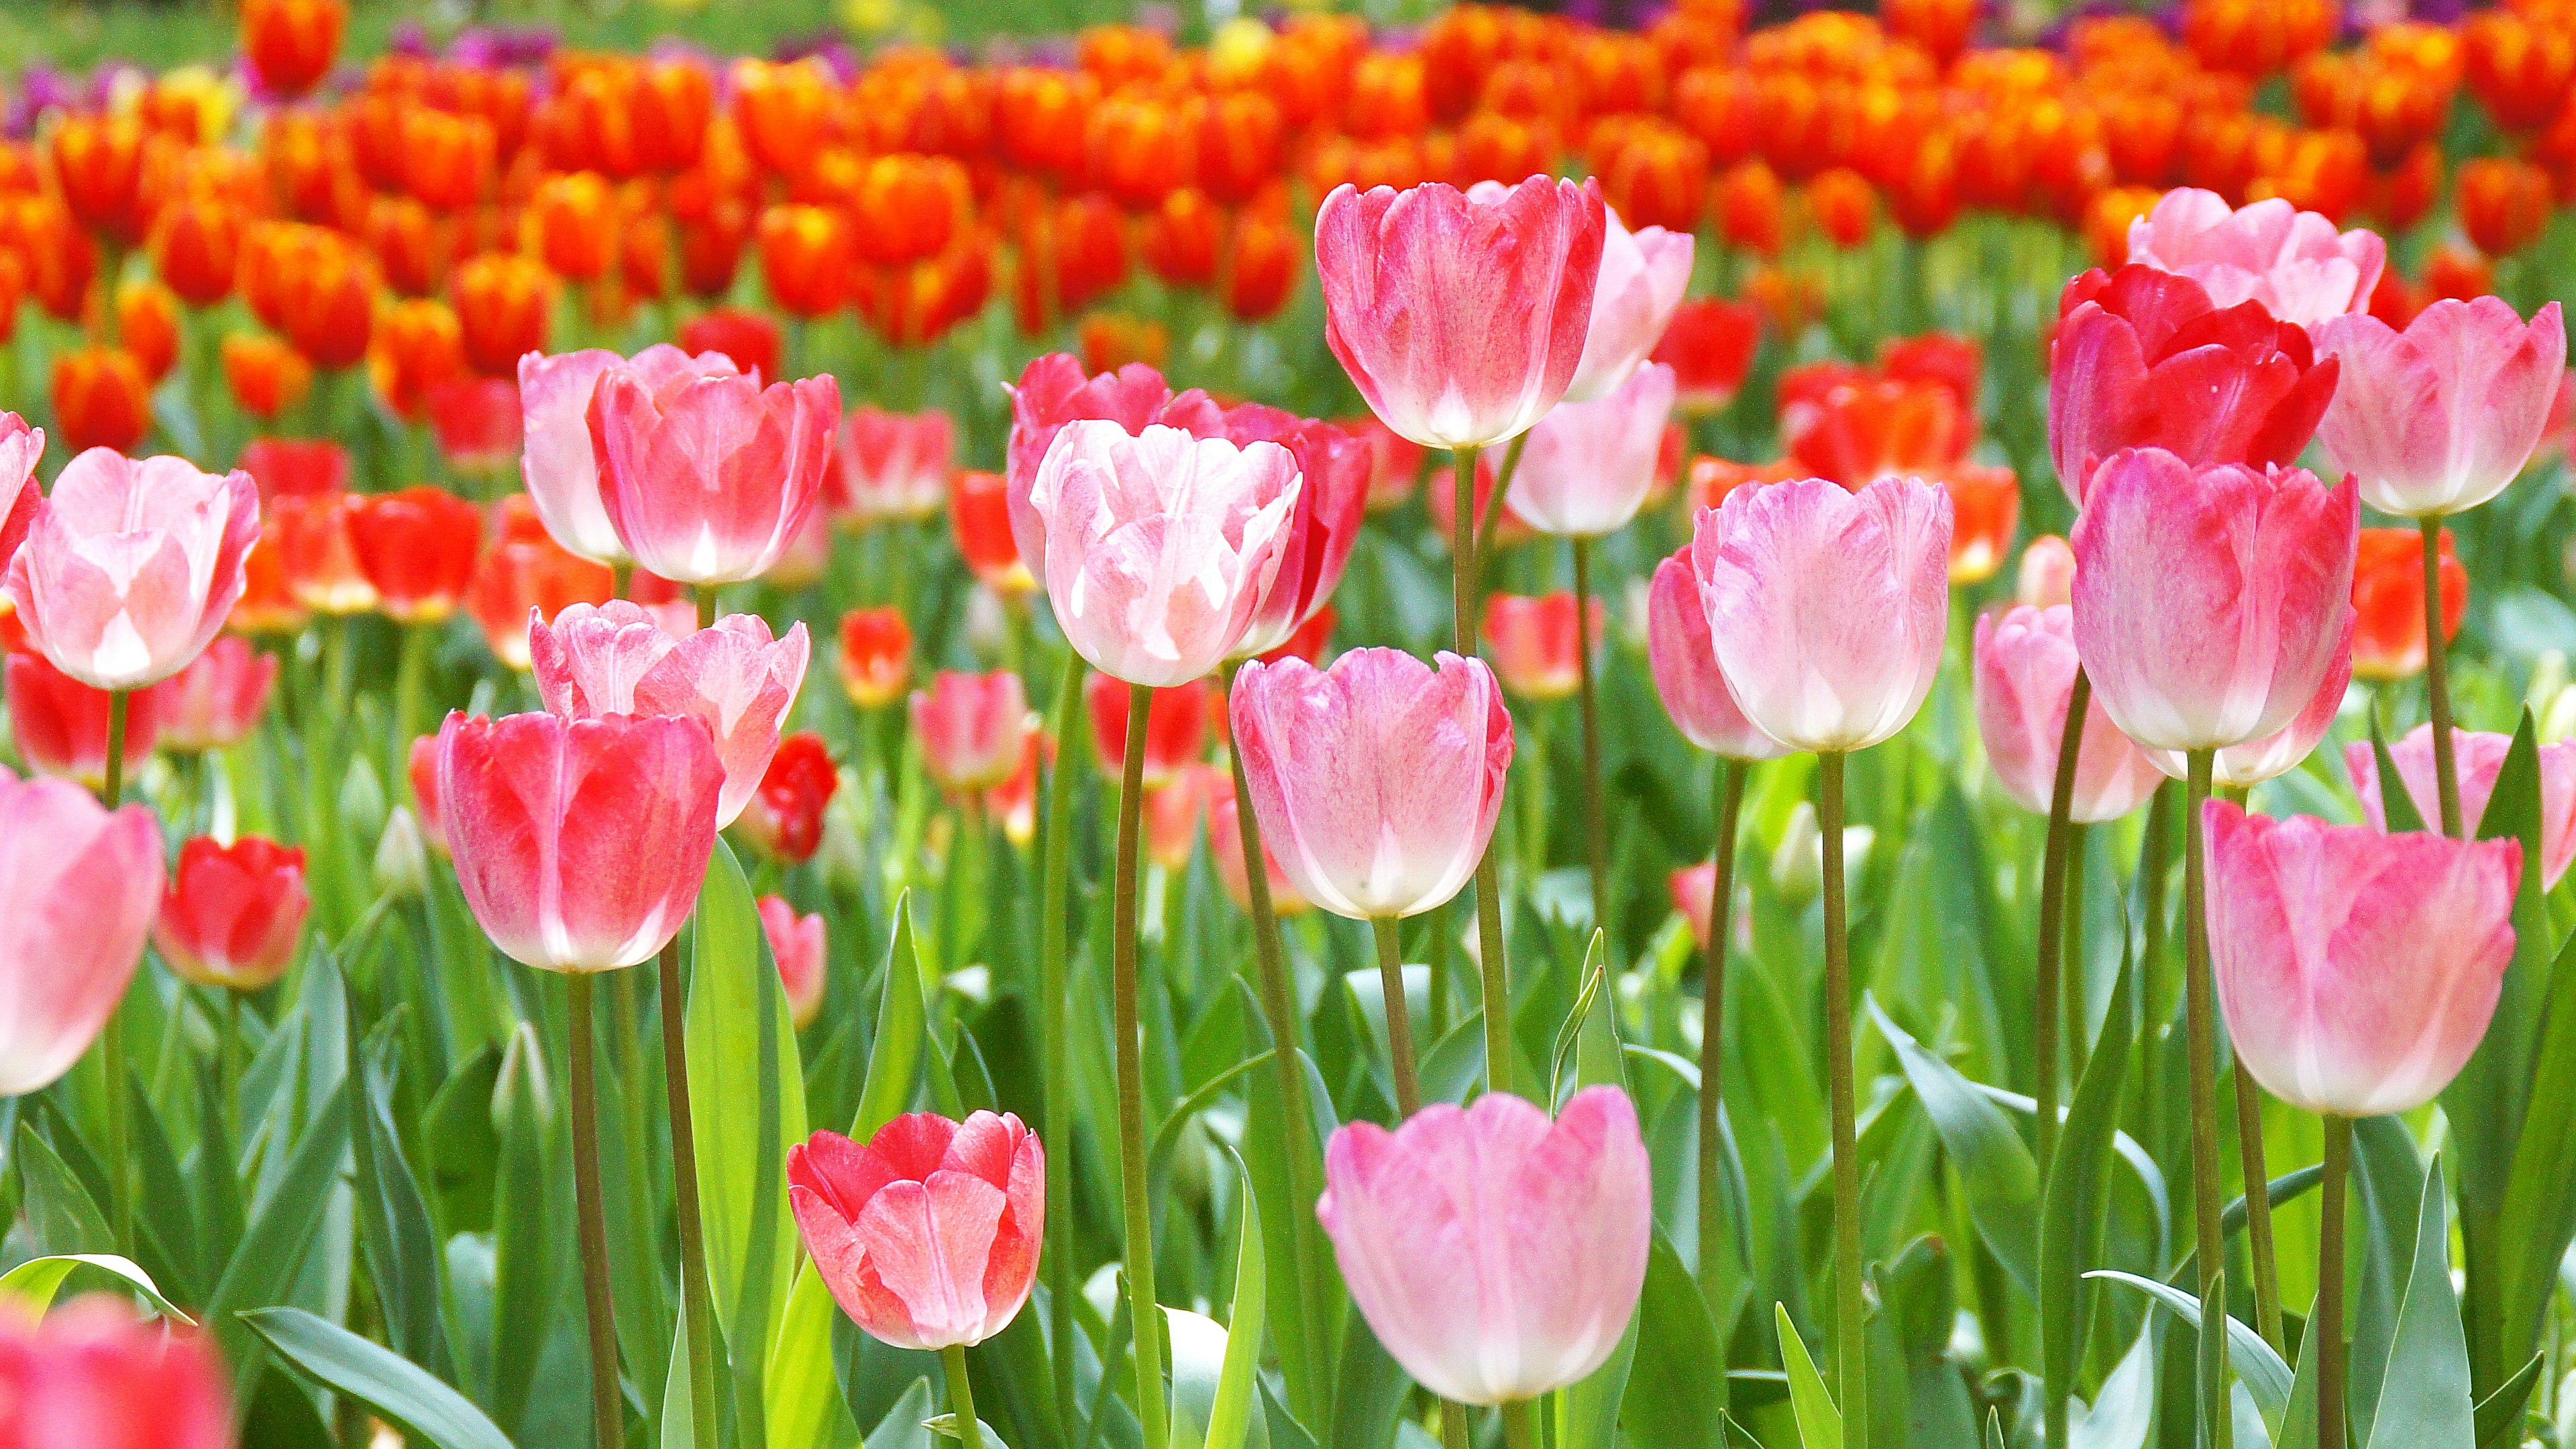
[[1784, 571], [617, 658], [2047, 573], [2254, 567], [1588, 466], [1687, 678], [1160, 547], [91, 1373], [970, 727], [1376, 782], [2356, 970], [876, 656], [707, 476], [1534, 644], [216, 701], [129, 568], [1176, 726], [2437, 419], [784, 819], [890, 466], [1643, 275], [1053, 393], [580, 844], [78, 888], [1497, 1255], [1462, 316], [2025, 678], [60, 724], [234, 913], [797, 944], [2479, 756], [2291, 261], [928, 1236]]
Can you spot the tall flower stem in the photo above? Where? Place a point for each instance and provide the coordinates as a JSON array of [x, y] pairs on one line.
[[1851, 1349], [2155, 861], [120, 1173], [2330, 1265], [2199, 1019], [961, 1398], [1493, 519], [1467, 596], [1054, 961], [1712, 1026], [697, 1305], [2049, 981], [2437, 681], [1399, 1013], [1596, 837], [607, 1410], [1150, 1407], [2079, 1016]]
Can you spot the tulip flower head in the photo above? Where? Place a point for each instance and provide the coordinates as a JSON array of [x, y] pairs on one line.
[[784, 820], [93, 1374], [79, 885], [60, 724], [875, 655], [2437, 419], [234, 913], [1643, 275], [1054, 393], [2244, 766], [2025, 679], [1176, 726], [1687, 678], [1589, 465], [2479, 756], [2291, 261], [217, 700], [890, 466], [969, 727], [707, 475], [796, 942]]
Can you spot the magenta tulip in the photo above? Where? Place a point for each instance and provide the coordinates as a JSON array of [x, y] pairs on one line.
[[21, 449], [1640, 285], [2356, 970], [79, 885], [2437, 419], [2025, 678], [1462, 316], [969, 727], [2291, 261], [1826, 608], [890, 466], [1588, 466], [1685, 667], [2210, 602], [580, 844], [1498, 1256], [708, 476], [2480, 757], [1376, 782]]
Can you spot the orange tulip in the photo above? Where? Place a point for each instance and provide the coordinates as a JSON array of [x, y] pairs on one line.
[[1137, 149], [525, 569], [1845, 206], [908, 208], [2400, 197], [2520, 66], [320, 288], [1985, 507], [1496, 147], [784, 111], [449, 161], [2457, 274], [711, 249], [1241, 144], [2388, 601], [1112, 340], [320, 558], [504, 304], [420, 347], [110, 169], [1043, 116], [1263, 272], [1715, 103], [59, 259], [416, 548], [2503, 204], [1457, 49], [266, 605], [876, 656], [2257, 37], [979, 520], [1118, 54], [102, 398], [804, 255], [1386, 97], [147, 324], [1749, 202], [669, 107], [1076, 249], [265, 375], [1656, 175], [1939, 27], [291, 43], [573, 220], [196, 247], [310, 166], [1179, 242]]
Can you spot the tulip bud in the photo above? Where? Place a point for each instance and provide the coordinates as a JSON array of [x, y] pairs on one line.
[[402, 858]]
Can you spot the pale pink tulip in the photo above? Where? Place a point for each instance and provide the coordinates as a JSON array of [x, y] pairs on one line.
[[890, 466], [796, 942], [2479, 757], [129, 567], [970, 728], [557, 458], [1376, 782], [1642, 278], [1685, 667], [217, 700], [94, 1375], [1053, 392], [619, 658], [2242, 767], [1827, 608], [579, 844], [1462, 316], [2047, 574], [1588, 466], [1160, 547], [2357, 971], [1498, 1256], [2291, 261], [2025, 678], [79, 885], [708, 476], [2210, 602], [2437, 419]]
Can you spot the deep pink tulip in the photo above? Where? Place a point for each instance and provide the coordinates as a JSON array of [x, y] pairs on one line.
[[1498, 1256], [2210, 601], [618, 658], [1642, 278], [92, 1374], [217, 700], [928, 1236], [797, 944], [1316, 544], [2356, 970], [2025, 677], [970, 727], [1462, 316], [2479, 757], [1588, 466], [708, 476], [2244, 766], [1376, 782], [2437, 419], [426, 804], [2291, 261], [2047, 573], [129, 567], [2142, 359], [1160, 546], [559, 461], [1827, 608], [61, 724], [890, 466], [21, 449], [1054, 392], [78, 888], [1686, 672], [580, 844], [234, 913]]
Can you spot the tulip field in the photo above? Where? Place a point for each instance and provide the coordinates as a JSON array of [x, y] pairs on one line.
[[1723, 724]]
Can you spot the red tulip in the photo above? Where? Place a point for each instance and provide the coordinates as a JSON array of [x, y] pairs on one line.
[[1709, 347], [291, 43], [785, 816], [876, 656], [747, 339], [295, 467], [979, 520], [526, 571], [217, 700], [234, 913], [78, 887], [427, 805], [92, 1374], [61, 724], [1225, 851], [1858, 432], [1171, 816], [477, 422], [1533, 644], [417, 548], [796, 942], [2388, 601]]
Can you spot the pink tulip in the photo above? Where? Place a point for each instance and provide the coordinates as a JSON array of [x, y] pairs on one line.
[[557, 459], [1053, 392], [1316, 543], [618, 658], [1686, 672], [797, 944], [92, 1374], [426, 804], [2025, 678], [890, 466], [1694, 892], [2242, 767], [1588, 466], [1160, 546], [217, 700], [928, 1236], [2437, 419], [580, 844], [2356, 970], [79, 885], [1498, 1256], [1534, 645], [2291, 261], [1640, 285], [708, 476], [129, 567], [2210, 602], [2047, 573], [1827, 608], [21, 449], [60, 724], [1462, 316], [970, 727], [1376, 782], [1225, 849], [2479, 757]]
